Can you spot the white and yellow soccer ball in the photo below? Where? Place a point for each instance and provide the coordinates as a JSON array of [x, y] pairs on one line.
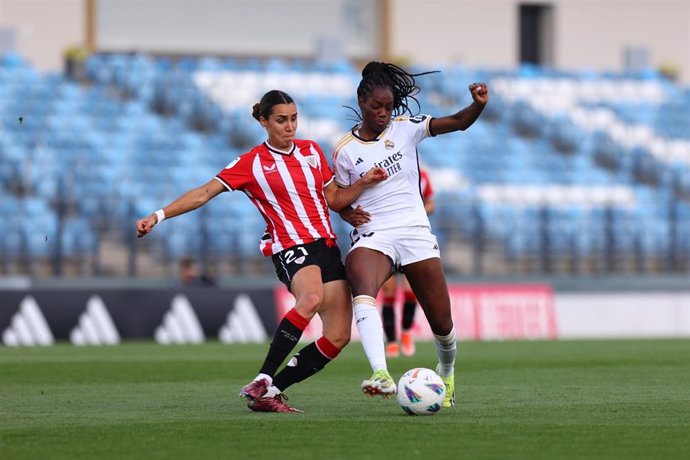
[[421, 391]]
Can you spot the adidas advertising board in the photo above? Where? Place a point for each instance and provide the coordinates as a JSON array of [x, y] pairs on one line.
[[481, 312], [82, 317]]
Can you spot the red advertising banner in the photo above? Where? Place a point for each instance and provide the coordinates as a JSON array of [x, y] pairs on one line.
[[480, 312]]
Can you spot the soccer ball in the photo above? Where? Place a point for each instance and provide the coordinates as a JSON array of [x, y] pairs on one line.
[[421, 391]]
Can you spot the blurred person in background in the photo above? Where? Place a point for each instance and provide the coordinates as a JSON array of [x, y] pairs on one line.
[[398, 234], [189, 274], [390, 288], [291, 184]]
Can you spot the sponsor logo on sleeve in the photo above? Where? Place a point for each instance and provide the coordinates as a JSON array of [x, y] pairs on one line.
[[232, 163]]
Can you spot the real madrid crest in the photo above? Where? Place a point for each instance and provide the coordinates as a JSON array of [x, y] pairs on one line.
[[389, 144]]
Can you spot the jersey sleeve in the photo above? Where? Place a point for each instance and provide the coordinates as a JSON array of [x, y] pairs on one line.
[[419, 127], [342, 166], [237, 174], [326, 172]]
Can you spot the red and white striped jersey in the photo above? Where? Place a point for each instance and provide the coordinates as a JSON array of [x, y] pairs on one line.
[[287, 189]]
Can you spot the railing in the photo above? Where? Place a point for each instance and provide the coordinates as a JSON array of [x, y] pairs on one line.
[[513, 241]]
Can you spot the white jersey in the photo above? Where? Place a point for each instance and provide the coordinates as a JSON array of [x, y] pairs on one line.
[[397, 201]]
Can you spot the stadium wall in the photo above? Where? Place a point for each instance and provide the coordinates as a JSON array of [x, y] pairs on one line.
[[586, 34], [239, 27], [481, 311], [44, 29], [583, 34], [623, 315]]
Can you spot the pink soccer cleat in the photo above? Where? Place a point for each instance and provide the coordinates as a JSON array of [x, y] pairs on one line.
[[255, 390], [273, 404]]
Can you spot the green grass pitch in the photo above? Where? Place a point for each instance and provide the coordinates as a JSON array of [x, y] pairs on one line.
[[551, 400]]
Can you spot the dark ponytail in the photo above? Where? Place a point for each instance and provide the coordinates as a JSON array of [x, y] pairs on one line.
[[264, 107]]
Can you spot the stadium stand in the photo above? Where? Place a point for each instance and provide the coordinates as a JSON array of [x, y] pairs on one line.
[[564, 172]]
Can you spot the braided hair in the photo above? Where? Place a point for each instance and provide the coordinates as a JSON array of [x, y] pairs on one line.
[[401, 83]]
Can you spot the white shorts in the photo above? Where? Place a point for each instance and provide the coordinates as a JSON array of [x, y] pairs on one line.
[[404, 246]]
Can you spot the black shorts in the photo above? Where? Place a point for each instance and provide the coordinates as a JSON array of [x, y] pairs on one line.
[[324, 253]]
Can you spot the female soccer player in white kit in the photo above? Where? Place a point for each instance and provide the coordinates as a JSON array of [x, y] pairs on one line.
[[398, 234]]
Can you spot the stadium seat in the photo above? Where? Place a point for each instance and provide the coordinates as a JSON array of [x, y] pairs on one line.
[[146, 129]]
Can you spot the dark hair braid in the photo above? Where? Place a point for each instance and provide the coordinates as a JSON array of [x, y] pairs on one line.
[[401, 83]]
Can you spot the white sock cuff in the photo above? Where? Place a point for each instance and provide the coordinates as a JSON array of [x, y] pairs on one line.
[[446, 339], [264, 376], [364, 302], [272, 391]]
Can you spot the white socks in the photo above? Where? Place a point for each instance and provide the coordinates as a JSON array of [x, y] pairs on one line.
[[264, 376], [272, 392], [370, 330], [446, 349]]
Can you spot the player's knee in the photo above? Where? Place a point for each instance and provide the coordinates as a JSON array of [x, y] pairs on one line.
[[308, 305], [388, 292], [338, 338], [441, 326]]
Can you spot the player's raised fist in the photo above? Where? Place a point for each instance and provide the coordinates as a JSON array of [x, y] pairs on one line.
[[145, 225], [480, 92]]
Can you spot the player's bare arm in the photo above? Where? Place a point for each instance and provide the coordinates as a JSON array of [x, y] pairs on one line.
[[429, 206], [189, 201], [339, 198], [466, 117]]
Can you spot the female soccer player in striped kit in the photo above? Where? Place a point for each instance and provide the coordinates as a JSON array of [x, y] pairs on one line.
[[398, 234], [291, 184]]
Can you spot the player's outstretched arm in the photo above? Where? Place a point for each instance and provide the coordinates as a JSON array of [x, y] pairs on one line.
[[189, 201], [464, 118], [339, 198]]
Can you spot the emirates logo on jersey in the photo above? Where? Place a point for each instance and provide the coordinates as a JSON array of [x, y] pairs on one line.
[[389, 144], [311, 160]]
